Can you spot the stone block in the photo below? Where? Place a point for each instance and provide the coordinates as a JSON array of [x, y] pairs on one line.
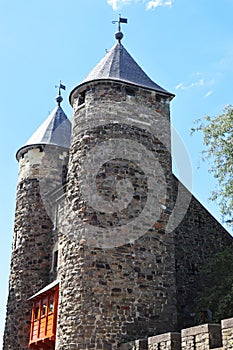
[[141, 344], [203, 337], [167, 341], [227, 333]]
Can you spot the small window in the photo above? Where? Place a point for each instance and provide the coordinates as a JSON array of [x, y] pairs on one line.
[[55, 260], [55, 254], [81, 98], [64, 173], [43, 310], [130, 92], [51, 304], [36, 314]]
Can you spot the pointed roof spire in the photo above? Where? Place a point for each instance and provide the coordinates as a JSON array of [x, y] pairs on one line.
[[55, 130], [118, 65]]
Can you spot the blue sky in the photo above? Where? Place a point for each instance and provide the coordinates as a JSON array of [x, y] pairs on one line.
[[186, 46]]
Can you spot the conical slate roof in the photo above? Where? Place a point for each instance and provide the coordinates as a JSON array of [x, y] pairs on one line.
[[118, 65], [55, 130]]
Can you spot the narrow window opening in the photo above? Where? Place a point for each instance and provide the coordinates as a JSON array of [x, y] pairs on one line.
[[64, 174], [54, 264], [81, 98], [55, 223], [55, 260], [130, 92], [51, 304], [36, 315], [43, 311], [158, 98]]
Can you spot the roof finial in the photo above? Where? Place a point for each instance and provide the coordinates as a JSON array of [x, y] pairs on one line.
[[59, 98], [119, 35]]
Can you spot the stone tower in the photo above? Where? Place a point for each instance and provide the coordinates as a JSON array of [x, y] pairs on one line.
[[117, 270], [108, 245], [41, 162]]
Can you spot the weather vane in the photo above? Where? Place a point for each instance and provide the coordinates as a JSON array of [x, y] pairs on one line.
[[119, 35], [59, 87], [59, 98]]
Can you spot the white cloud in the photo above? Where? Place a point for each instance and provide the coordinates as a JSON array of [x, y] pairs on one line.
[[113, 3], [117, 4], [182, 86], [198, 80], [208, 93], [156, 3], [150, 5], [179, 86]]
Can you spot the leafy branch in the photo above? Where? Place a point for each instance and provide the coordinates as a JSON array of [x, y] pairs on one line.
[[218, 151]]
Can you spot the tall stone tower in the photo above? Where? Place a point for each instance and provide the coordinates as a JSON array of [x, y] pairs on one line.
[[41, 162], [117, 267], [102, 254]]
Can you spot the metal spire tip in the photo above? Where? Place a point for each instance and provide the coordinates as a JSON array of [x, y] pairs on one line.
[[59, 98], [119, 35]]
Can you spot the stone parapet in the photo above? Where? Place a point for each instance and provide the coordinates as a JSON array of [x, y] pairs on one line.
[[207, 336], [141, 344], [227, 333], [202, 337], [169, 341]]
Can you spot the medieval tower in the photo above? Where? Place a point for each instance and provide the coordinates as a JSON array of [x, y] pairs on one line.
[[98, 256]]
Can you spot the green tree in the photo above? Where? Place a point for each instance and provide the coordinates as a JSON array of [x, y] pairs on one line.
[[216, 287], [218, 150]]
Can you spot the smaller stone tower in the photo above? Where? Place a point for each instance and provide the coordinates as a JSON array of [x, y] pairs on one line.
[[41, 163]]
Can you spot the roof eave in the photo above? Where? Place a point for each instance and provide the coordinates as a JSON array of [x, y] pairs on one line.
[[80, 86], [50, 286], [37, 145]]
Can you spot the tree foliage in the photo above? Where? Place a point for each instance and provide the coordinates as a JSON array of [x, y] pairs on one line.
[[216, 288], [218, 150]]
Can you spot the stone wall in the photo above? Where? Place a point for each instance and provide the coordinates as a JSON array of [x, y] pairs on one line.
[[197, 239], [29, 271], [203, 337], [116, 286], [40, 171]]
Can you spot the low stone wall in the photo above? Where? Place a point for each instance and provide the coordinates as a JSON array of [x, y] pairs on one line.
[[164, 341], [207, 336], [203, 337], [227, 333]]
